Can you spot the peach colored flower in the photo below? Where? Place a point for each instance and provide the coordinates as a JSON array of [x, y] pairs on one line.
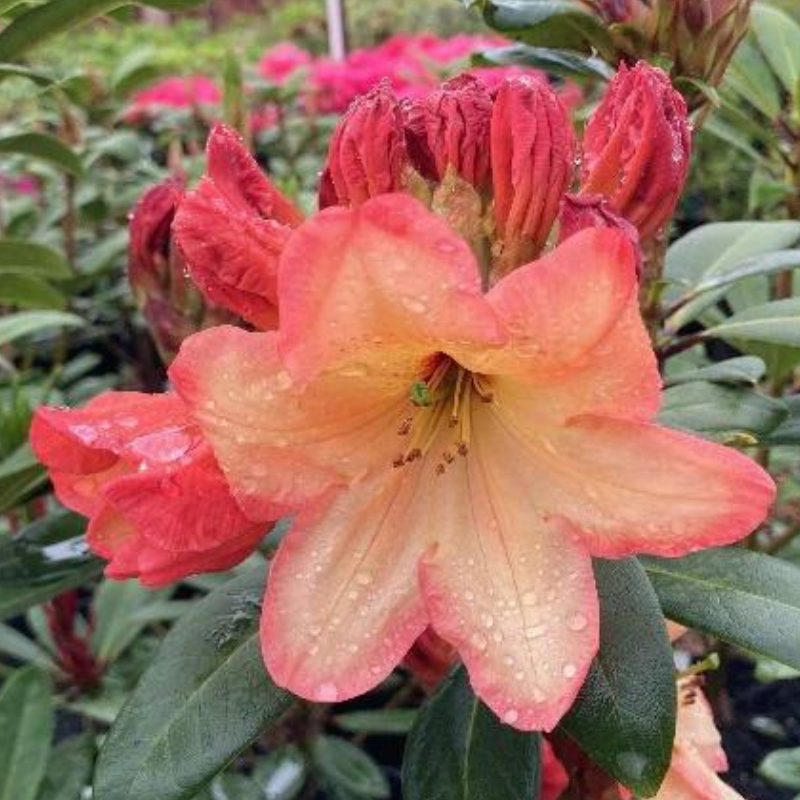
[[459, 456]]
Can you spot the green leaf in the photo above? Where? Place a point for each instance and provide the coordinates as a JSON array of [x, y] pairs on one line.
[[174, 5], [115, 607], [742, 597], [713, 249], [624, 717], [42, 147], [459, 750], [764, 264], [717, 411], [18, 71], [45, 21], [345, 768], [26, 727], [205, 698], [69, 770], [788, 432], [782, 768], [16, 599], [135, 70], [17, 645], [383, 721], [777, 322], [24, 323], [556, 24], [31, 258], [749, 76], [744, 370], [20, 474], [24, 291], [557, 62], [282, 774], [235, 787], [778, 36]]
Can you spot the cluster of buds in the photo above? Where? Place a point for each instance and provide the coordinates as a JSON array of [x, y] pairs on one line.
[[698, 37], [170, 302], [501, 167]]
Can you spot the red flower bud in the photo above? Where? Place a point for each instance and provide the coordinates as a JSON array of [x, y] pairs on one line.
[[232, 230], [637, 147], [591, 211], [367, 154], [430, 658], [533, 156], [419, 151], [457, 122]]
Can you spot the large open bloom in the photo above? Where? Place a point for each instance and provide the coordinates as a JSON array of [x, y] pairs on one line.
[[137, 466], [459, 455]]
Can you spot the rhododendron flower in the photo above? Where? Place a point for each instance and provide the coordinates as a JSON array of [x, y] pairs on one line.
[[555, 779], [138, 467], [637, 146], [232, 229], [173, 93], [283, 61], [697, 755], [458, 456]]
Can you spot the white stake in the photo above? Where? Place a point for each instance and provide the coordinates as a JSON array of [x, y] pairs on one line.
[[337, 34]]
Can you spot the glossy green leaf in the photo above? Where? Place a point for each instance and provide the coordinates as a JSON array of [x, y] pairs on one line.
[[459, 750], [20, 474], [45, 21], [25, 323], [25, 291], [745, 598], [347, 770], [743, 370], [31, 258], [47, 549], [385, 721], [282, 774], [135, 70], [24, 649], [777, 322], [19, 71], [234, 787], [26, 727], [718, 411], [782, 768], [624, 717], [557, 62], [765, 264], [205, 698], [43, 148], [778, 36], [69, 770], [556, 24]]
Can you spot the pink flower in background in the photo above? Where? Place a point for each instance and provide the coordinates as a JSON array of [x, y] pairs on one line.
[[282, 61], [173, 93]]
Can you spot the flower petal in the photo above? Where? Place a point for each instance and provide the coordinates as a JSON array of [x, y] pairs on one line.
[[576, 339], [184, 510], [343, 606], [633, 487], [357, 284], [282, 444], [690, 778], [511, 588], [142, 428]]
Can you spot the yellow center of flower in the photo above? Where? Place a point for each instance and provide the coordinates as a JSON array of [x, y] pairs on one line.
[[444, 397]]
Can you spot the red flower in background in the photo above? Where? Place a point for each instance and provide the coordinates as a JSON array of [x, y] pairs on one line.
[[283, 61], [173, 93]]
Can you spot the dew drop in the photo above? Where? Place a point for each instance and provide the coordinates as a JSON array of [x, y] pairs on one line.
[[327, 693], [283, 381], [535, 632], [578, 622], [363, 578], [487, 620], [478, 641], [511, 716], [569, 671], [529, 599]]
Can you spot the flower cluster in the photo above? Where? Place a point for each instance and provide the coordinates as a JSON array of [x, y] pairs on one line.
[[452, 398], [173, 94]]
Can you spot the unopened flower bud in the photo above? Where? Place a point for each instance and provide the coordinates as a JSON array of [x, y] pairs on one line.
[[592, 211], [457, 122], [637, 147], [170, 302], [430, 659], [367, 154], [533, 156]]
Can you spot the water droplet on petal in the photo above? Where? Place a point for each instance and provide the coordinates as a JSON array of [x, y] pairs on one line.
[[578, 622], [363, 578], [569, 671], [327, 693], [511, 716], [535, 632], [529, 599]]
